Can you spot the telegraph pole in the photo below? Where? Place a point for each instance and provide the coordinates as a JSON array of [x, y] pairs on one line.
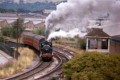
[[17, 32]]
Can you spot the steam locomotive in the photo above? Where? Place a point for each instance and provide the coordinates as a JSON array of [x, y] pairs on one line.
[[40, 44]]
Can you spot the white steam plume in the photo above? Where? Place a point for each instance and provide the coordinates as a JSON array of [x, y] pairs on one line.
[[76, 14]]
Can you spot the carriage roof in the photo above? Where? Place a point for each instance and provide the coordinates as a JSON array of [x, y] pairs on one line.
[[38, 37], [29, 34]]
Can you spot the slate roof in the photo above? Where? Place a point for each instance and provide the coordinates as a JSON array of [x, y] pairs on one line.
[[97, 32]]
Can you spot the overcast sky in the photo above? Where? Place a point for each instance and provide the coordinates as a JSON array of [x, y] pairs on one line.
[[32, 1]]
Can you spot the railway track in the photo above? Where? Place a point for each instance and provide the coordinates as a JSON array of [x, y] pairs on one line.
[[27, 73], [32, 74], [38, 70], [56, 74], [56, 71], [68, 53], [46, 70]]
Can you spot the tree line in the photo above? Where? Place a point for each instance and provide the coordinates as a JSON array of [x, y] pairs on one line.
[[3, 10], [20, 10]]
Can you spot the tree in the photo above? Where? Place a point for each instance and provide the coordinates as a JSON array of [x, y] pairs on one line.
[[82, 43], [93, 66], [4, 10], [39, 31], [18, 29], [7, 31]]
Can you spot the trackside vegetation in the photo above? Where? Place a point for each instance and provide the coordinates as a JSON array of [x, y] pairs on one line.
[[92, 66], [25, 60], [79, 43], [39, 31]]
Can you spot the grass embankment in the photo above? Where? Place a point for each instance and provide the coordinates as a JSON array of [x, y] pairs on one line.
[[70, 43], [76, 50], [67, 42], [25, 60]]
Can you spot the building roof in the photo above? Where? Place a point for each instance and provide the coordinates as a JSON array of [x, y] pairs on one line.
[[97, 32], [3, 23], [40, 25], [29, 24]]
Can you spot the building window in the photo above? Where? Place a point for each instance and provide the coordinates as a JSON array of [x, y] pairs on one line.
[[104, 43], [98, 44]]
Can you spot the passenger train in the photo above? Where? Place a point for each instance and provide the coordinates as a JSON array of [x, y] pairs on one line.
[[40, 43]]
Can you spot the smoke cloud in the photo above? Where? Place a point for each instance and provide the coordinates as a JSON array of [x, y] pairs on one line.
[[77, 14], [62, 34]]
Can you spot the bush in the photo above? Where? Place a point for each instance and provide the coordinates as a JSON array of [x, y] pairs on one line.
[[7, 31], [93, 66], [2, 39], [39, 32], [82, 43]]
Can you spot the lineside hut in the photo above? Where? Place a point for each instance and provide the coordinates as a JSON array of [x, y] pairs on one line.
[[98, 40]]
